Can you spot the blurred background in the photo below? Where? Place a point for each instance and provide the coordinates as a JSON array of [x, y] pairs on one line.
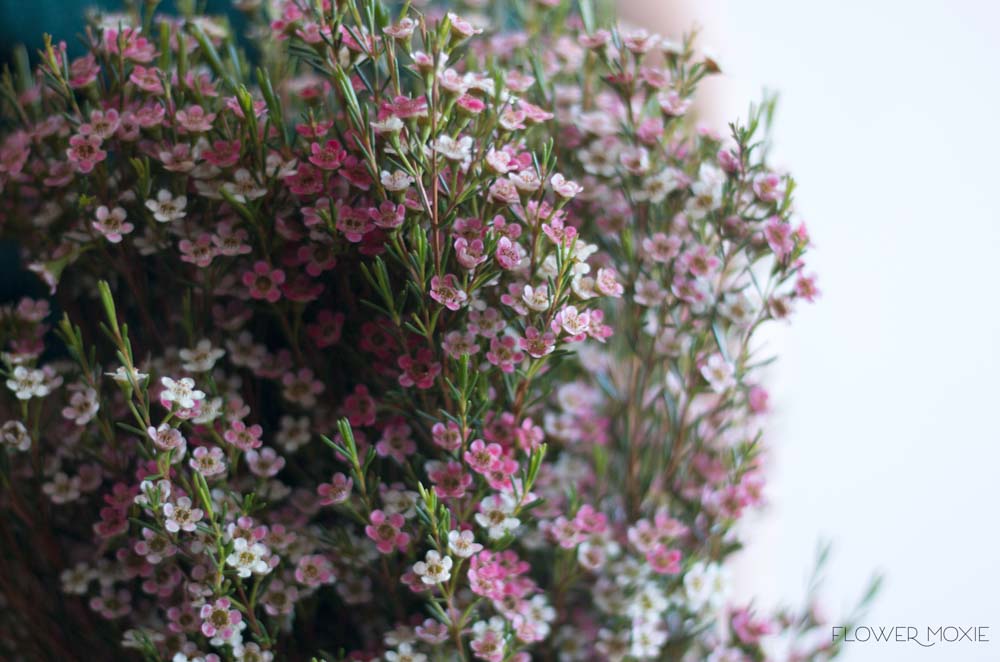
[[884, 435]]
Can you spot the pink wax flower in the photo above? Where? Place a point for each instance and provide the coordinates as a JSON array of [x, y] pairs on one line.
[[112, 223], [338, 490], [85, 152], [385, 531], [328, 156], [420, 370], [779, 237], [446, 291], [219, 620], [263, 282]]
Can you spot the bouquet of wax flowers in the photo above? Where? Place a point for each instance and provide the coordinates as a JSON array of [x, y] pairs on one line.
[[385, 332]]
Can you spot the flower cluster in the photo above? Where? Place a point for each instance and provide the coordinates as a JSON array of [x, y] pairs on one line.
[[418, 338]]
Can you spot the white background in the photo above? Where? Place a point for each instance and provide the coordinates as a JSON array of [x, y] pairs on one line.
[[885, 431]]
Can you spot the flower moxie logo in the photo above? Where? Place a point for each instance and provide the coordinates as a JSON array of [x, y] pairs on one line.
[[926, 637]]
